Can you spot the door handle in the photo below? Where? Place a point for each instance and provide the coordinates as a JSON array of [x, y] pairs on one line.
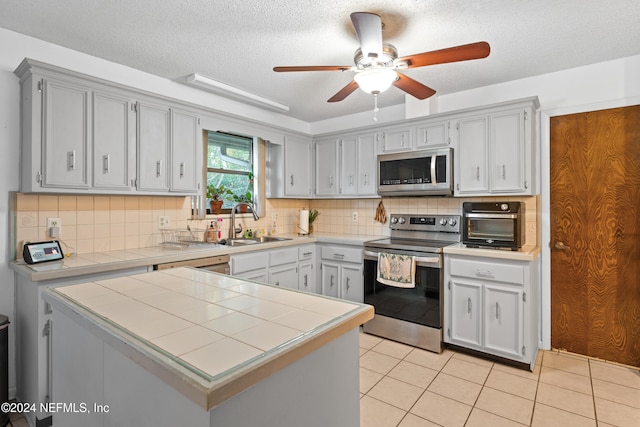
[[561, 246]]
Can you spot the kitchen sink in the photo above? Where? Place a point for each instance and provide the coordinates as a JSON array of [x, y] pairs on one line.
[[254, 240]]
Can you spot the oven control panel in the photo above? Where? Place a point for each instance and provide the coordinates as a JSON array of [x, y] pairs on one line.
[[416, 222]]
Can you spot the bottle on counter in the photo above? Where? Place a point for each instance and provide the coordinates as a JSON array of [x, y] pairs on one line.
[[211, 233], [219, 228]]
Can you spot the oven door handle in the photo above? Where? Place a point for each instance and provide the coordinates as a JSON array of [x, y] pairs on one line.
[[419, 260]]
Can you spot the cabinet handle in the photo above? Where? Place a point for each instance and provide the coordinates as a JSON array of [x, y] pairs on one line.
[[366, 179], [158, 167], [331, 282], [306, 280], [477, 173], [291, 179], [278, 283], [72, 160], [468, 305], [348, 283], [331, 181], [504, 173], [486, 274], [338, 256], [497, 310], [106, 163], [351, 180], [182, 170], [48, 331]]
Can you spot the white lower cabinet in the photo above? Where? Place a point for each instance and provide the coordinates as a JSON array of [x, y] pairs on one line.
[[291, 267], [491, 305], [341, 272]]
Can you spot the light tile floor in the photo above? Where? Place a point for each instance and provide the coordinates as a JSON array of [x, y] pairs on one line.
[[405, 386]]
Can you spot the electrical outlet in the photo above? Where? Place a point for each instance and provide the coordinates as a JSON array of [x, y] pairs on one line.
[[274, 216], [354, 217], [54, 227], [163, 222]]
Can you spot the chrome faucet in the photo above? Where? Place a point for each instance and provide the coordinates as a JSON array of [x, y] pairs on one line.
[[233, 231]]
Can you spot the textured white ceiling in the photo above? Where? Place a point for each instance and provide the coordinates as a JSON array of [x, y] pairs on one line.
[[239, 42]]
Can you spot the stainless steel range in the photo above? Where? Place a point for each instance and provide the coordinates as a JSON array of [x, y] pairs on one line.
[[411, 315]]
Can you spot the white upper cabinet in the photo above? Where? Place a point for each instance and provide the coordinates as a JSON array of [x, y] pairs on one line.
[[346, 165], [472, 156], [435, 134], [83, 133], [326, 156], [153, 147], [65, 150], [289, 168], [114, 150], [349, 166], [507, 147], [395, 139], [297, 167], [497, 150], [367, 164], [186, 144]]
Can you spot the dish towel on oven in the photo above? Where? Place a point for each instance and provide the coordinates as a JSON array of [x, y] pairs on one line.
[[397, 270]]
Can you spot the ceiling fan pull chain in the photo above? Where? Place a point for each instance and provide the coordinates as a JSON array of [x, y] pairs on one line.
[[375, 107]]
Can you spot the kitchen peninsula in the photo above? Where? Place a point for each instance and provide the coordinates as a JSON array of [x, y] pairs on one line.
[[191, 347]]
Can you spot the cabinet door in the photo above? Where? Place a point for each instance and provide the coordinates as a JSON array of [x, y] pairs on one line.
[[297, 167], [396, 140], [351, 282], [327, 167], [287, 277], [153, 147], [348, 166], [367, 165], [465, 312], [259, 276], [330, 279], [113, 142], [186, 144], [66, 135], [471, 169], [503, 320], [307, 277], [433, 135], [507, 152]]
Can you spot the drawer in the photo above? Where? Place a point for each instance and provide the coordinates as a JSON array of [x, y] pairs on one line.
[[248, 262], [487, 270], [306, 252], [283, 256], [337, 253]]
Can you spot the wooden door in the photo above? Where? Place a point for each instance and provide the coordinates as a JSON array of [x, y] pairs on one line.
[[595, 234]]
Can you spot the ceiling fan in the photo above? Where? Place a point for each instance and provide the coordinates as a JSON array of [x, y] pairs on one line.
[[377, 63]]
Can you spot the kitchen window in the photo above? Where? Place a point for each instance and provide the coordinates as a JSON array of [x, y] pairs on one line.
[[230, 163]]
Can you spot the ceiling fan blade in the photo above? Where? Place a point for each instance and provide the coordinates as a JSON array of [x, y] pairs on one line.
[[314, 68], [344, 92], [369, 31], [452, 54], [413, 87]]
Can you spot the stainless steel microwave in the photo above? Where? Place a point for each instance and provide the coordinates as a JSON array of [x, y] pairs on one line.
[[416, 173]]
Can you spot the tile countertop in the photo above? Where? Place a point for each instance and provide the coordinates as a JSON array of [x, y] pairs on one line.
[[526, 253], [98, 262], [208, 335]]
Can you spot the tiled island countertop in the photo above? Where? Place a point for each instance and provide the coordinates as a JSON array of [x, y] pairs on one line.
[[207, 335]]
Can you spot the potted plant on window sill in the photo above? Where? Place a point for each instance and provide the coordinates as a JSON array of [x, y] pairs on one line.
[[246, 197], [217, 194]]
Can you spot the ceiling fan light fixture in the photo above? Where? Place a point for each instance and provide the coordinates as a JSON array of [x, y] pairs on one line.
[[375, 80]]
